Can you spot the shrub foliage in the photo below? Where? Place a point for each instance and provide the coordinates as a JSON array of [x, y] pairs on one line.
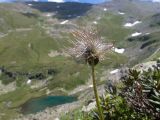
[[138, 99]]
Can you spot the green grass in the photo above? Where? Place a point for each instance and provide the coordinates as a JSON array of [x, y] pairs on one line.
[[14, 47], [69, 73], [15, 54], [110, 26], [113, 60], [147, 47], [156, 53], [17, 97], [154, 56], [11, 19], [76, 115]]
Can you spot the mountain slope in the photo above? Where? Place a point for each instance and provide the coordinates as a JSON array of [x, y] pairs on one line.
[[33, 37]]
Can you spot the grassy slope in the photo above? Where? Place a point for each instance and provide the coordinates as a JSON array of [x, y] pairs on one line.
[[111, 27], [14, 47], [153, 47], [17, 97], [144, 49], [16, 55], [11, 19]]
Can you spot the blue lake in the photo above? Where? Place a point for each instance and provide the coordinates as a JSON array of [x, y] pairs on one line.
[[39, 104]]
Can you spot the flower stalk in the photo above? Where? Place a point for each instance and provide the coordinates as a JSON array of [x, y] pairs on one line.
[[96, 92], [89, 47]]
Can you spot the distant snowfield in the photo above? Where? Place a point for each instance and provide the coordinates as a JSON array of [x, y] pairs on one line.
[[48, 14], [121, 13], [28, 81], [64, 22], [95, 22], [105, 9], [136, 34], [114, 71], [58, 1], [147, 33], [132, 24], [29, 4], [120, 51]]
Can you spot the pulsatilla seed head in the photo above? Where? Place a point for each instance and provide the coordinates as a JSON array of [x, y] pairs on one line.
[[93, 60], [88, 46], [90, 57]]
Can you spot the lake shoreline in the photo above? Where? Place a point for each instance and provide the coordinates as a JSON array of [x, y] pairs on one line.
[[39, 104], [55, 112]]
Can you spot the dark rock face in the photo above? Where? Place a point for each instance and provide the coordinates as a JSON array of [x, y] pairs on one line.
[[39, 76], [10, 76], [67, 10], [51, 72], [139, 38], [155, 20]]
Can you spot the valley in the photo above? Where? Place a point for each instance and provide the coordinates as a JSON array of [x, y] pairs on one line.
[[33, 41]]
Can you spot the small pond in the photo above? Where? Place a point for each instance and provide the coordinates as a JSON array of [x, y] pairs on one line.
[[39, 104]]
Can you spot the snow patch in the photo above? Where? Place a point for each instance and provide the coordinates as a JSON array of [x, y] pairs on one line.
[[29, 81], [137, 22], [95, 22], [29, 4], [48, 14], [119, 50], [114, 71], [128, 25], [136, 34], [58, 1], [147, 33], [64, 22], [132, 24], [121, 13], [105, 9]]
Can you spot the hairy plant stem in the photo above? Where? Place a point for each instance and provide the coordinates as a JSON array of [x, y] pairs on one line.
[[96, 93]]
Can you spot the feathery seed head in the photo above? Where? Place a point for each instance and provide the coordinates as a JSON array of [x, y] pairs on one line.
[[88, 46]]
